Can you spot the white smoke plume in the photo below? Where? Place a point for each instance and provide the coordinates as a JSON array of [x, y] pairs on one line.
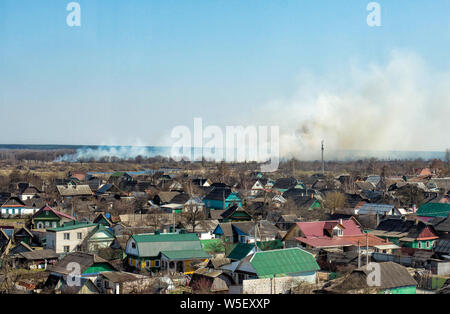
[[371, 110], [402, 105]]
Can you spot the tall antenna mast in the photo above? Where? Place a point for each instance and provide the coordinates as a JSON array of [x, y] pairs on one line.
[[323, 163]]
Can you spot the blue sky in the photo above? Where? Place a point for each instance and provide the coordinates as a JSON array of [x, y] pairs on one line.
[[135, 69]]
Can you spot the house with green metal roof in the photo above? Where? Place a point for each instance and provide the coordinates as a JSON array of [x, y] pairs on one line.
[[434, 210], [165, 252], [293, 262]]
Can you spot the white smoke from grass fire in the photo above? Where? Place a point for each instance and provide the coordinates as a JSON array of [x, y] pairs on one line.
[[399, 106]]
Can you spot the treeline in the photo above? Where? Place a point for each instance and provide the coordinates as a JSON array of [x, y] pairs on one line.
[[33, 155]]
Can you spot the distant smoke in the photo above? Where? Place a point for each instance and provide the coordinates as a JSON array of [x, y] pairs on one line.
[[110, 152], [399, 106], [372, 110]]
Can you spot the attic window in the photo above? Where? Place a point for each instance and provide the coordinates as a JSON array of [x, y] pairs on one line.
[[337, 232], [133, 245]]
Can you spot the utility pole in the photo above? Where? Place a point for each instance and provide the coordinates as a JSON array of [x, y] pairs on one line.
[[359, 254], [367, 249], [323, 163]]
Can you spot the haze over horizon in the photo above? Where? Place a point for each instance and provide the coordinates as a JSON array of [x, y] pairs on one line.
[[135, 70]]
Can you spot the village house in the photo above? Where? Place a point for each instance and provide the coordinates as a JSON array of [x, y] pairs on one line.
[[14, 207], [246, 231], [165, 252], [90, 268], [343, 234], [204, 229], [37, 259], [221, 198], [29, 193], [70, 191], [119, 282], [47, 217], [202, 182], [393, 279], [382, 210], [293, 262], [412, 234], [212, 281], [283, 184], [235, 213], [428, 211], [68, 238]]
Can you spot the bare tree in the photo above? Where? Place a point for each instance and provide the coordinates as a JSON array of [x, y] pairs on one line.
[[193, 215], [335, 200]]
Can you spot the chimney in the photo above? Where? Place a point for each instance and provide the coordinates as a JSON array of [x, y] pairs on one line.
[[340, 221]]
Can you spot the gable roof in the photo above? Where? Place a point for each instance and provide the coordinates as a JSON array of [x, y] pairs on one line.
[[392, 275], [315, 229], [407, 230], [241, 250], [443, 246], [283, 262], [100, 217], [285, 183], [39, 254], [74, 190], [72, 227], [85, 260], [149, 245], [441, 224], [373, 209], [108, 188], [57, 213], [166, 197], [180, 198], [218, 194], [235, 209], [434, 210], [13, 201]]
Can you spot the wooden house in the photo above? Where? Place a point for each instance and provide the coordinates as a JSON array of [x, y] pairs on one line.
[[165, 252], [47, 217]]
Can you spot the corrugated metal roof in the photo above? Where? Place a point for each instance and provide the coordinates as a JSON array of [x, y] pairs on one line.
[[372, 209], [434, 210], [71, 190], [283, 262], [150, 245], [185, 254]]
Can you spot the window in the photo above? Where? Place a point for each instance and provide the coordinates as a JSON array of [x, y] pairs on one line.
[[148, 264], [66, 249], [79, 236], [428, 244], [157, 263], [133, 245], [420, 245], [337, 232], [66, 236]]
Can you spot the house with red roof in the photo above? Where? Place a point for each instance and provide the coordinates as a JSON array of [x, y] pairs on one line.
[[340, 234], [47, 217]]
